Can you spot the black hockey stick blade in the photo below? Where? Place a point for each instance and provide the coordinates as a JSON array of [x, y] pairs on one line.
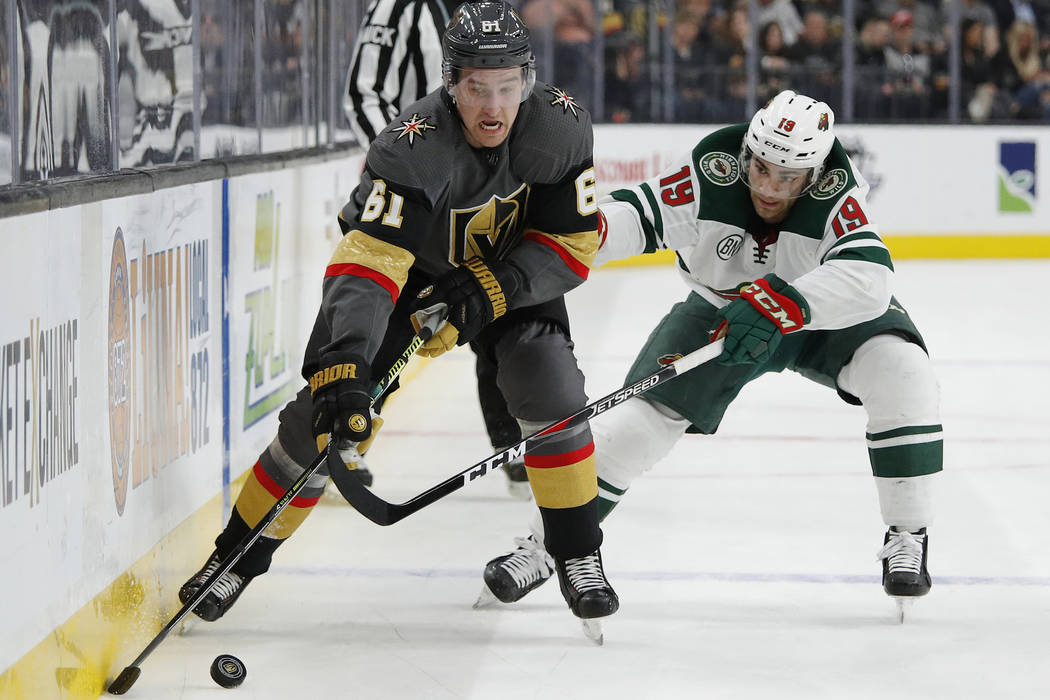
[[122, 683], [383, 512]]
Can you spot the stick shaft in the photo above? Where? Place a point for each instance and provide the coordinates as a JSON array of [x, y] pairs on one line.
[[383, 512]]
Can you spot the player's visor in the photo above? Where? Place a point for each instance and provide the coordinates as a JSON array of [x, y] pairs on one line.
[[493, 88], [774, 181]]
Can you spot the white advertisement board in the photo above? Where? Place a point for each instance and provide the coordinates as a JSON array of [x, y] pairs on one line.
[[926, 180], [43, 415], [163, 361], [283, 230]]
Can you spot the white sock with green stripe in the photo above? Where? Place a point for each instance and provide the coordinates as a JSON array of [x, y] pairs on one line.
[[906, 502]]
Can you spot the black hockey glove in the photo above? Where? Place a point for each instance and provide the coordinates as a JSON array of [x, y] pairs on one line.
[[768, 309], [476, 293], [341, 392]]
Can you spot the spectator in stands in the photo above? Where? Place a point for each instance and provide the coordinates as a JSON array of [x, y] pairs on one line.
[[572, 25], [980, 95], [818, 58], [774, 74], [926, 20], [784, 13], [1022, 50], [626, 82], [872, 39], [907, 70], [983, 13], [693, 103]]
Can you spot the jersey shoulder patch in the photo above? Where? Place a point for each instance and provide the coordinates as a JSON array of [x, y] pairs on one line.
[[716, 162], [809, 217], [552, 138], [415, 148]]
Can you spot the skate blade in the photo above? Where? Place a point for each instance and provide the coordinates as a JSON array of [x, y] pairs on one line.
[[592, 629], [904, 604], [486, 599]]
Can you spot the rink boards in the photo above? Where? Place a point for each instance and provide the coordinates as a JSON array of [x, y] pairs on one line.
[[134, 390]]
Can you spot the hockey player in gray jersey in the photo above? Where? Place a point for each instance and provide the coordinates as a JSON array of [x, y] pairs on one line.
[[397, 60], [770, 228], [481, 197]]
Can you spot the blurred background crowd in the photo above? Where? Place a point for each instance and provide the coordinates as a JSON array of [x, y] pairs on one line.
[[97, 85], [881, 60]]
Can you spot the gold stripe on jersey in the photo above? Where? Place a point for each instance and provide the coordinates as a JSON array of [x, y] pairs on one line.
[[581, 247], [565, 487], [255, 501], [387, 259]]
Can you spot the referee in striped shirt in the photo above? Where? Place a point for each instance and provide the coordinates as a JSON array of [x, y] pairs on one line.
[[397, 60]]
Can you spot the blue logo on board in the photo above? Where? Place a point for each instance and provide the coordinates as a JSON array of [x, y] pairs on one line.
[[1017, 176]]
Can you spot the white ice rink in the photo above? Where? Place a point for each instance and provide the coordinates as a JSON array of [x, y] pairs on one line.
[[745, 562]]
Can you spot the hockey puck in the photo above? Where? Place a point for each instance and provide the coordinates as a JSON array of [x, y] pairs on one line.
[[228, 671]]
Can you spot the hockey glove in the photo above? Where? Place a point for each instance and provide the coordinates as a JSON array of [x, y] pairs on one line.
[[341, 398], [476, 293], [754, 324]]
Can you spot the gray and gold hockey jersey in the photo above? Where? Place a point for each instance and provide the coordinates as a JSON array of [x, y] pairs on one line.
[[827, 247], [429, 201]]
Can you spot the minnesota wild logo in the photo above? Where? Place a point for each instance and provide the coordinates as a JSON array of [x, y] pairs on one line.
[[824, 123], [830, 185], [720, 168]]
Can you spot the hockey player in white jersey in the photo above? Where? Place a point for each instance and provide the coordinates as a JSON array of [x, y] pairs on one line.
[[770, 227]]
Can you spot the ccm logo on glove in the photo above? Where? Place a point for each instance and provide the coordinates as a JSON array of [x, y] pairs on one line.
[[778, 308]]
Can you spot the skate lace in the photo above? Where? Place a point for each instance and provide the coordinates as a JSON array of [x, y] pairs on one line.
[[528, 562], [207, 571], [903, 551], [585, 573], [228, 584]]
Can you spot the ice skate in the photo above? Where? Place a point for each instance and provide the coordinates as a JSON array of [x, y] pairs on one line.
[[509, 577], [518, 480], [904, 573], [222, 595], [587, 592]]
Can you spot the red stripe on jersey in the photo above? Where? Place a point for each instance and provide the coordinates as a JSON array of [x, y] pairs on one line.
[[356, 270], [560, 460], [276, 491], [575, 265]]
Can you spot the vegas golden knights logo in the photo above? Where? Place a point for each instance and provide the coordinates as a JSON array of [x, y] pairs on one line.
[[489, 230]]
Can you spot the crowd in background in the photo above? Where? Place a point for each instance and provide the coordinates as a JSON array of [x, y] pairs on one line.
[[686, 61], [901, 57]]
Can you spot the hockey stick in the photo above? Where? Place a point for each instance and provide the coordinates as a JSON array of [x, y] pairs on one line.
[[123, 682], [385, 513]]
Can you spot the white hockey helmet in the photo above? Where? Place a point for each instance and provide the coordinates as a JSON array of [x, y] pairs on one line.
[[791, 131]]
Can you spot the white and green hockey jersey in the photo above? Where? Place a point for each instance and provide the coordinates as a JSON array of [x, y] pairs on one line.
[[827, 247]]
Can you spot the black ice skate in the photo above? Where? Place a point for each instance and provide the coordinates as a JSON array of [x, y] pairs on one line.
[[222, 595], [587, 591], [509, 577], [904, 573]]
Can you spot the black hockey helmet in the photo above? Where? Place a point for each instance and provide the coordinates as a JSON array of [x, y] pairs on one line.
[[487, 34]]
